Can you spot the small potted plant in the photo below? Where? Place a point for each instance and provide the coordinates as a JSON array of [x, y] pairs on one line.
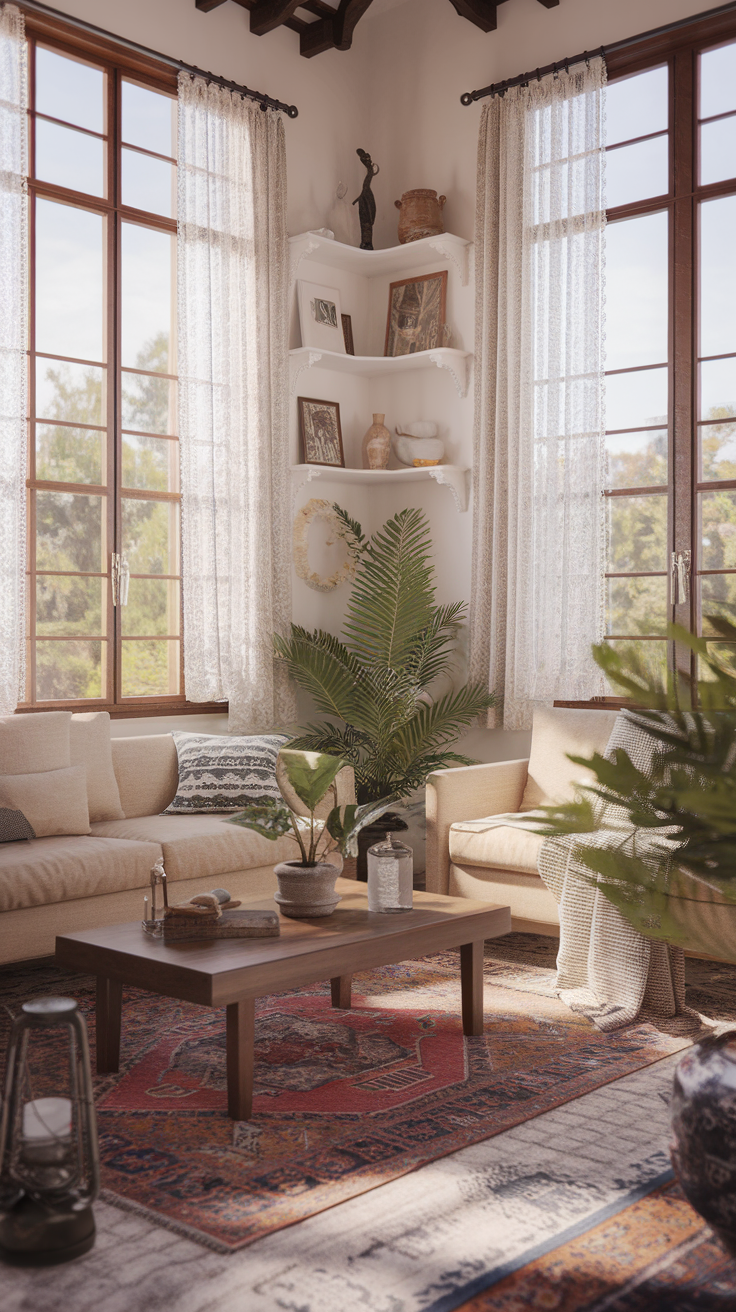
[[307, 885]]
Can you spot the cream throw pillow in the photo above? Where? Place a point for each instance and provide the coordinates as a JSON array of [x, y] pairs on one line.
[[31, 743], [52, 801], [91, 747]]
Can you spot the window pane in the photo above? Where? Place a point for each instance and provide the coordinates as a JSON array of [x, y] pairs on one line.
[[148, 289], [70, 90], [150, 463], [637, 533], [718, 150], [718, 81], [70, 670], [637, 606], [653, 655], [637, 400], [70, 532], [637, 172], [637, 459], [718, 529], [717, 597], [149, 184], [69, 281], [75, 392], [717, 276], [149, 404], [70, 159], [151, 536], [636, 106], [637, 291], [149, 119], [717, 452], [152, 609], [717, 389], [150, 669], [69, 455], [70, 605]]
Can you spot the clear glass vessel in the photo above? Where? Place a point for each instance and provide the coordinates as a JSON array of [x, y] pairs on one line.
[[390, 876]]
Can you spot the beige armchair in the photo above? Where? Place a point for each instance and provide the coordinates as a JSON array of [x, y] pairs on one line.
[[498, 863]]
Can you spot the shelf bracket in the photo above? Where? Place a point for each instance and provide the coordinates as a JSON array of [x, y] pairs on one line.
[[297, 367], [455, 479], [448, 251], [456, 365], [303, 252]]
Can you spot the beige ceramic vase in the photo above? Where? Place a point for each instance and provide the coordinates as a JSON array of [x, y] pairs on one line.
[[376, 445], [420, 215]]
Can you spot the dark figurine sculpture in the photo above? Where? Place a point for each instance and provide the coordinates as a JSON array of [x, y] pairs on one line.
[[366, 201]]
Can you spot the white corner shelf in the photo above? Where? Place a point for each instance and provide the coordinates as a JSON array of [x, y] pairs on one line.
[[452, 476], [370, 264], [443, 357]]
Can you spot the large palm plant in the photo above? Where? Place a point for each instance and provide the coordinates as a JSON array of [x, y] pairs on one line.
[[375, 685]]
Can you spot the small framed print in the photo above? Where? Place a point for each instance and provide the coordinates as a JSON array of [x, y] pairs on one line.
[[321, 434], [347, 332], [320, 318], [416, 314]]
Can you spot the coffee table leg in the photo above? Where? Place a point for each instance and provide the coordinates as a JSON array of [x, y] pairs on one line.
[[240, 1031], [471, 983], [109, 1008], [341, 987]]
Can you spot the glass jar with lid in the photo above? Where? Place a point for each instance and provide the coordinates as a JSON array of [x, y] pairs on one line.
[[390, 876]]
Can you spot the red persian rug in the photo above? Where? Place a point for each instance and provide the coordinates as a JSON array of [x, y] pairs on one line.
[[344, 1100]]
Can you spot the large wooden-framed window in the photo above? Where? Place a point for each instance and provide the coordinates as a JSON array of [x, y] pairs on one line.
[[671, 335], [103, 600]]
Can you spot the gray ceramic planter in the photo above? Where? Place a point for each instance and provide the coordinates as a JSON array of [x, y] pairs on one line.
[[306, 892]]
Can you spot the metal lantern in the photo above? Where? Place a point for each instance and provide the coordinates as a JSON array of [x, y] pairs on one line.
[[49, 1159]]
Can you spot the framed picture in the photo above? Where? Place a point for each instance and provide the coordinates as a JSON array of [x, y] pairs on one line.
[[347, 332], [416, 314], [320, 318], [319, 425]]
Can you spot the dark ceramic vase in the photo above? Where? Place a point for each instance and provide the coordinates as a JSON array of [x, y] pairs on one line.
[[388, 823], [703, 1146]]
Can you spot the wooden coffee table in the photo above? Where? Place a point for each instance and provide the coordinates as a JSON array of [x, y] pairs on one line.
[[232, 973]]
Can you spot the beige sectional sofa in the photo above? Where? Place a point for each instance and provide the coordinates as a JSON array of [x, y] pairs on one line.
[[497, 863], [55, 885]]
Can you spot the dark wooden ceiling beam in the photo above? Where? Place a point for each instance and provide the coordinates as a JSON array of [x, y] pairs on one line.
[[270, 14], [333, 33], [207, 5], [549, 4], [480, 12]]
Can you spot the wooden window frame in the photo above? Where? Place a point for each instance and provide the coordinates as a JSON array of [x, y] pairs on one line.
[[118, 64]]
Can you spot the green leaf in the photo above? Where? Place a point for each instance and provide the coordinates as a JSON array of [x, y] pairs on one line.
[[268, 819], [344, 823], [310, 773], [393, 592]]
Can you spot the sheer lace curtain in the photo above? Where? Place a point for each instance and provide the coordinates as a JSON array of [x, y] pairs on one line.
[[13, 344], [232, 352], [539, 514]]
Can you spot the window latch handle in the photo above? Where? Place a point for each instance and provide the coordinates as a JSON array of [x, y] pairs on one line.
[[681, 562], [120, 578]]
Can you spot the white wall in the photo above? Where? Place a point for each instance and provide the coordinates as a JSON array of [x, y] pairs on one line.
[[396, 94]]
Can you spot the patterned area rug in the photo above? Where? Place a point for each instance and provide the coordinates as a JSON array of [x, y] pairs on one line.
[[655, 1255], [344, 1101]]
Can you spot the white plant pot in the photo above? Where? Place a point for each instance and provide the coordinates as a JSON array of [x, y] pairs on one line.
[[306, 892]]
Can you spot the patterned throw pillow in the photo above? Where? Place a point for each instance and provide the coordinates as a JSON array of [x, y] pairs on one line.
[[14, 826], [224, 774]]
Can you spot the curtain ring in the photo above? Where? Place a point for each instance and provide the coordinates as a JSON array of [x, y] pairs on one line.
[[567, 66], [539, 76], [555, 73], [587, 59]]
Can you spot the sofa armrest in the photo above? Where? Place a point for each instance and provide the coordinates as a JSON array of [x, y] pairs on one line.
[[467, 793]]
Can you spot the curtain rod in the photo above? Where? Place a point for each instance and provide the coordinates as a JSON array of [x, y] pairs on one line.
[[498, 88], [266, 102]]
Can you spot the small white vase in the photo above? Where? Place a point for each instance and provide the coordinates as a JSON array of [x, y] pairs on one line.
[[376, 445]]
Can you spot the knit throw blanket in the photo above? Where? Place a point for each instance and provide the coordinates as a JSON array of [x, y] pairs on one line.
[[606, 969]]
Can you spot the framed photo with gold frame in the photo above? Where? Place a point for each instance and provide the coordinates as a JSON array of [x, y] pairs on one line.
[[321, 433], [416, 314]]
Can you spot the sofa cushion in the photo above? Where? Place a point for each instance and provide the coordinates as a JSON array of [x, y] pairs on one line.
[[146, 771], [558, 731], [485, 843], [59, 869], [90, 746], [225, 773], [52, 801], [200, 846], [31, 743]]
